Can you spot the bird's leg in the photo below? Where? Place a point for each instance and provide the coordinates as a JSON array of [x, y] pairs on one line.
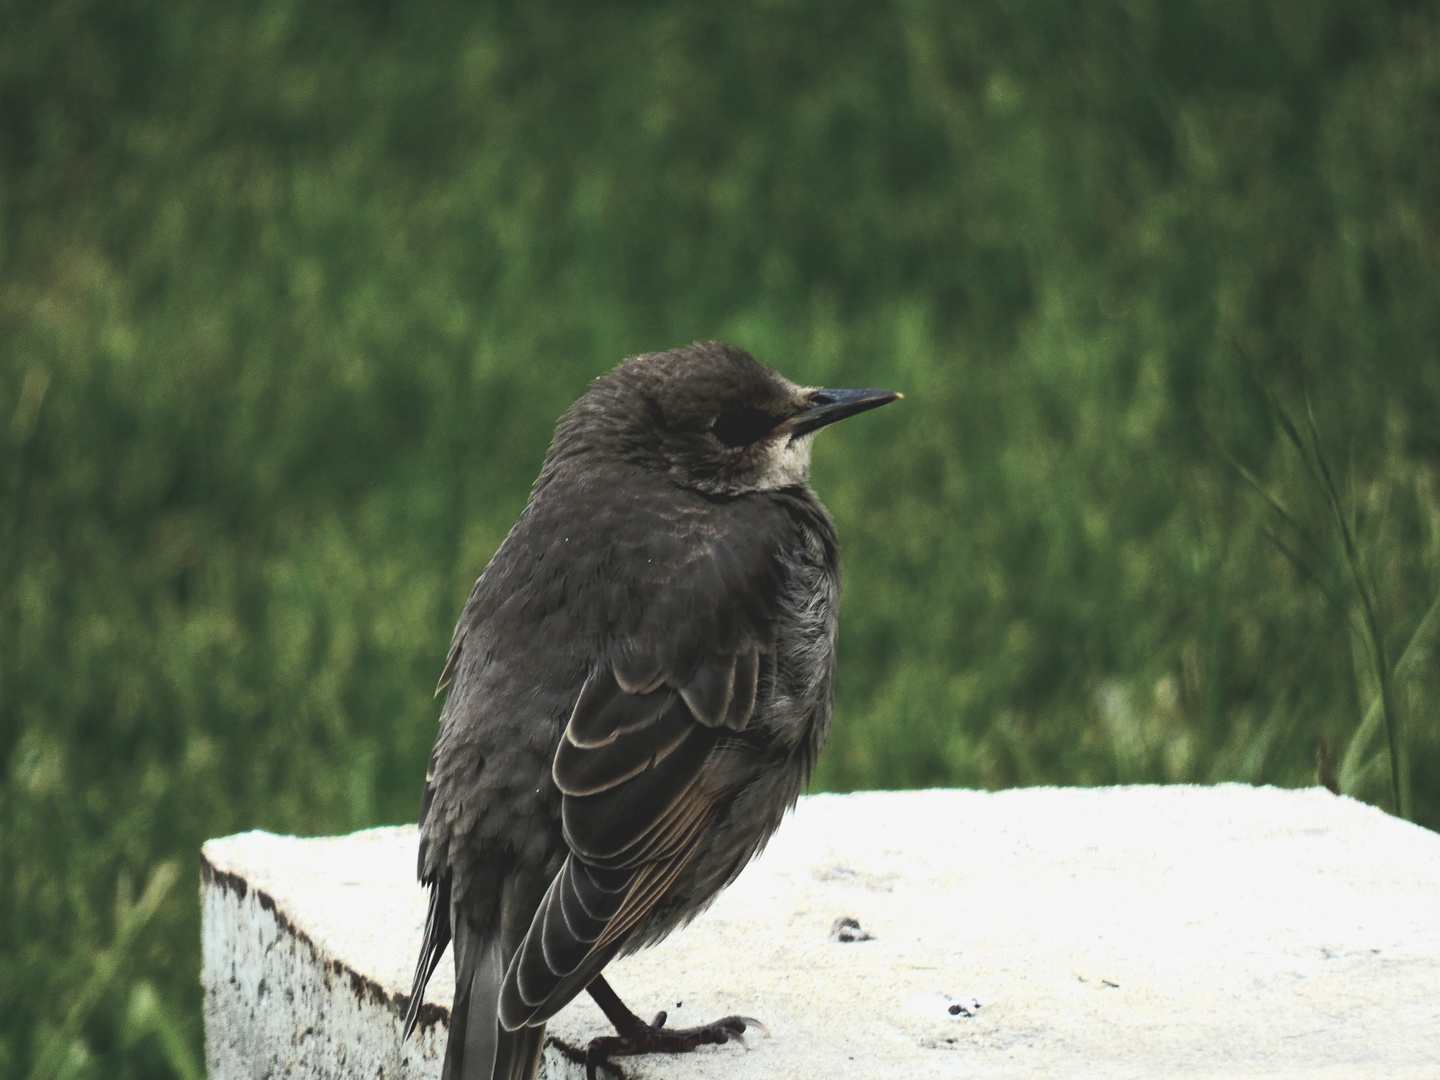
[[634, 1036]]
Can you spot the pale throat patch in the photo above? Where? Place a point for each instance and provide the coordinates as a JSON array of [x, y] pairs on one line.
[[789, 464]]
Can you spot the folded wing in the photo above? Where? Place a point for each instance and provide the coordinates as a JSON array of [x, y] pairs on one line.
[[632, 767]]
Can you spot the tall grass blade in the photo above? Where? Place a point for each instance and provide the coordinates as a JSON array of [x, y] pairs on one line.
[[1373, 635], [1265, 493], [107, 967], [1312, 575], [147, 1017], [1354, 769], [1382, 709]]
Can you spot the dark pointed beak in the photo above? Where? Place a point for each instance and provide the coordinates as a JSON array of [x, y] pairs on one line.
[[827, 406]]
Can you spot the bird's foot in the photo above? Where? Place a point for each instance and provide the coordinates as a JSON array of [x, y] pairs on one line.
[[634, 1036], [656, 1038]]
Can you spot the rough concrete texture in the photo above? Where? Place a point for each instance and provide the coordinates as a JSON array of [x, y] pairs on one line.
[[1121, 932]]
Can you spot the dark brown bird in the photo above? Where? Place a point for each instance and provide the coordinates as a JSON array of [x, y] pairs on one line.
[[640, 684]]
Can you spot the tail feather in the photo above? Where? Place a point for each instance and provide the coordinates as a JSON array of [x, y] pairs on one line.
[[479, 1048], [518, 1055], [437, 937]]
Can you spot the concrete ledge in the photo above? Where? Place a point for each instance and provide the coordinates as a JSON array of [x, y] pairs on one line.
[[1119, 932]]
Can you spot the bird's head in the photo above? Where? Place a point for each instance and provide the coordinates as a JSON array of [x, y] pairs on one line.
[[708, 417]]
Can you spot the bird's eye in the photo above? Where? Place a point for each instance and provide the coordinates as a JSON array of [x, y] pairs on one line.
[[743, 426]]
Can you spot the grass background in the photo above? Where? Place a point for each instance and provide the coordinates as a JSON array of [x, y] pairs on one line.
[[291, 294]]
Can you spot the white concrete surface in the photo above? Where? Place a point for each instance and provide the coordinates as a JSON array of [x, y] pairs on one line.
[[1121, 932]]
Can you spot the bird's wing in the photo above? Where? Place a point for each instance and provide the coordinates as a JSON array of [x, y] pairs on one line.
[[637, 800]]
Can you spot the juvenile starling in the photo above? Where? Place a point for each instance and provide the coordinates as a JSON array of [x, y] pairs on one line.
[[640, 684]]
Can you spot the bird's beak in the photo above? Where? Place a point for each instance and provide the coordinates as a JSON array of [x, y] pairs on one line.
[[827, 406]]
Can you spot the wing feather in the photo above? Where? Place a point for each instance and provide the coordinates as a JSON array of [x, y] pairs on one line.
[[652, 881], [632, 769], [583, 770], [708, 693]]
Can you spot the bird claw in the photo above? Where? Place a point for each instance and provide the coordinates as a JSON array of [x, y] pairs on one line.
[[749, 1022], [655, 1038]]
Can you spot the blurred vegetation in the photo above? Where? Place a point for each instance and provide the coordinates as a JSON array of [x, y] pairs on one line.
[[292, 293]]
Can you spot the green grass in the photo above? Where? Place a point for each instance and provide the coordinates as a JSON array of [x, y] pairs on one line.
[[291, 295]]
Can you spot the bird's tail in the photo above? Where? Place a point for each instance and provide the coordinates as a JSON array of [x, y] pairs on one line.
[[479, 1047]]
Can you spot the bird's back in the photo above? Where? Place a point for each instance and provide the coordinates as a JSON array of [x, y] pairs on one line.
[[600, 564]]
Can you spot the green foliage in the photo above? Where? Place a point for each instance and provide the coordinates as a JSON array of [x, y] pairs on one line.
[[292, 293]]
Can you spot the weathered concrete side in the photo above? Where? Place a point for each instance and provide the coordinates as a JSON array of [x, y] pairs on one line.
[[277, 1004], [1153, 931]]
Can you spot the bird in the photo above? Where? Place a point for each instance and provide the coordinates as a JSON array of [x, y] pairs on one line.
[[639, 686]]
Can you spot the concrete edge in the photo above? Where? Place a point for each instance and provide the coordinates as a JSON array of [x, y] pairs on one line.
[[364, 987]]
